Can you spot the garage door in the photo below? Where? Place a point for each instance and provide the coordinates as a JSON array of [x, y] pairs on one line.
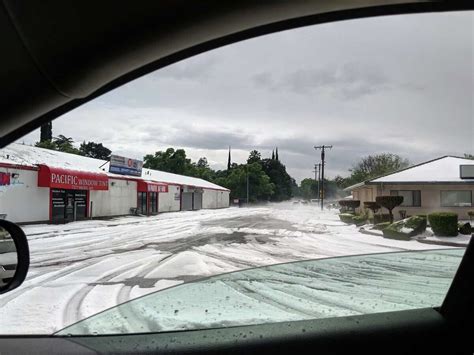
[[197, 200], [187, 201]]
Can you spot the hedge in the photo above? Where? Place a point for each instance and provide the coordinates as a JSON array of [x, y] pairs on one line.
[[406, 228], [350, 205], [465, 228], [372, 205], [359, 220], [346, 217], [444, 224], [381, 226], [381, 218]]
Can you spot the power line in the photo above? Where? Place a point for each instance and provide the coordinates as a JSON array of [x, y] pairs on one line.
[[323, 155]]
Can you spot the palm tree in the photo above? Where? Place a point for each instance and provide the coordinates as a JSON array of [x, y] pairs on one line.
[[62, 140]]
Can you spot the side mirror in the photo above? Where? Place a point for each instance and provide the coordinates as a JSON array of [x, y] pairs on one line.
[[14, 256]]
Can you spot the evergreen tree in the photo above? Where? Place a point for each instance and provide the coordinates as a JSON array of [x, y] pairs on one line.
[[46, 132], [229, 164], [254, 157], [276, 171], [273, 155], [276, 154]]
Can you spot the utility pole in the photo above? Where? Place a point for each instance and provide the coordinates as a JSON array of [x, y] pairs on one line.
[[247, 188], [319, 180], [317, 175], [322, 147]]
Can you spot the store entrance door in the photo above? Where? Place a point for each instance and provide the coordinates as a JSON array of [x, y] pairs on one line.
[[70, 212], [68, 205]]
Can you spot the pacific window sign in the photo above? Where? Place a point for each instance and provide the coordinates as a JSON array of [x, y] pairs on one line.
[[125, 166], [71, 179]]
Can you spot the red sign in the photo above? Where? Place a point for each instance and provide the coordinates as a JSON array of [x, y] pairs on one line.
[[4, 179], [71, 179], [150, 186]]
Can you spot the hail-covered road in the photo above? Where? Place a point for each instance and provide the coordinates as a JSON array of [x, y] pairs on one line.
[[82, 268]]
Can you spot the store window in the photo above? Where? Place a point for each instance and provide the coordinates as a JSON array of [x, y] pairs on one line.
[[153, 202], [456, 198], [142, 203], [411, 198]]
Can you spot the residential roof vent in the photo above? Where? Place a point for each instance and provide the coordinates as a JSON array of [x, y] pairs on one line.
[[466, 171]]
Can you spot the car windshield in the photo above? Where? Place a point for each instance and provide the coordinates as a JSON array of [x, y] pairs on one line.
[[295, 291], [222, 180]]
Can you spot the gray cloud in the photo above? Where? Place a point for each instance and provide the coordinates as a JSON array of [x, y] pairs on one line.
[[400, 84], [347, 81]]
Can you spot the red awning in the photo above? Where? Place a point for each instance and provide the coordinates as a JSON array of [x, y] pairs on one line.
[[71, 179], [151, 186]]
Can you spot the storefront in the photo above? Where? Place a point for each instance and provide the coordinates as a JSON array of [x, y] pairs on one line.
[[69, 191], [191, 198], [148, 196]]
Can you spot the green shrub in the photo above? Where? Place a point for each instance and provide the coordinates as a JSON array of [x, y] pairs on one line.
[[359, 220], [444, 224], [372, 205], [381, 218], [349, 205], [389, 202], [346, 217], [381, 226], [465, 228], [406, 228]]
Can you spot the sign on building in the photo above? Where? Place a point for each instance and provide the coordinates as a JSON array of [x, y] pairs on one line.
[[125, 166], [467, 171]]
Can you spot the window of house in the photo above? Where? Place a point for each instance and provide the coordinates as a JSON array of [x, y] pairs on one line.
[[411, 198], [456, 198]]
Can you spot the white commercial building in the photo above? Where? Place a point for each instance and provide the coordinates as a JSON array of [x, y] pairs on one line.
[[445, 184], [41, 185]]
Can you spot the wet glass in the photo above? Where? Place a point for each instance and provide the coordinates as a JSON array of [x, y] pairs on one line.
[[314, 289]]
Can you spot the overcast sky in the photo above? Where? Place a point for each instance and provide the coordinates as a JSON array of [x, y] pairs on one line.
[[399, 84]]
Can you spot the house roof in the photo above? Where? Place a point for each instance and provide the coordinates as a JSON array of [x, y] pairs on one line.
[[445, 169], [28, 156]]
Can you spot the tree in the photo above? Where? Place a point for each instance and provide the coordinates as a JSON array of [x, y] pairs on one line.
[[46, 145], [60, 143], [260, 186], [254, 157], [373, 166], [65, 144], [469, 156], [276, 171], [95, 150], [46, 132], [308, 188], [170, 160], [276, 154], [350, 205], [62, 140], [389, 202], [202, 163], [229, 161], [373, 206], [273, 155]]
